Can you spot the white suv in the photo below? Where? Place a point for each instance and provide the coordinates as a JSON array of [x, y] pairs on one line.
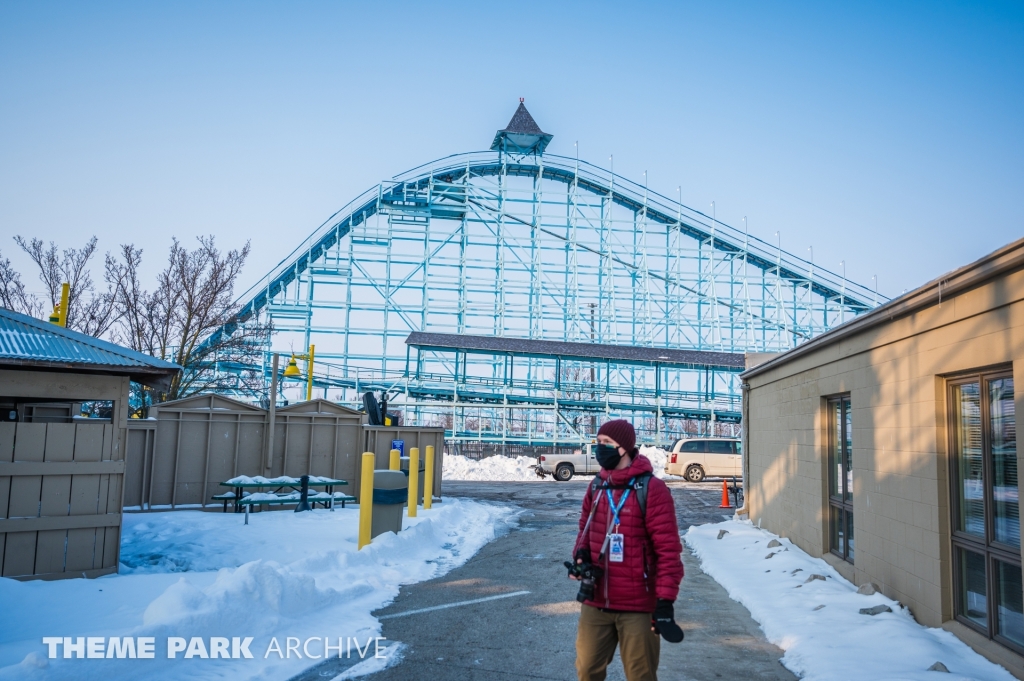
[[705, 457]]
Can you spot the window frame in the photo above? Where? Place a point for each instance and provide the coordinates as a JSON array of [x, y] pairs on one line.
[[840, 502], [986, 546]]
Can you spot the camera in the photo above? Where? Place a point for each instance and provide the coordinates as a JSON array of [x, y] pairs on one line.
[[588, 574]]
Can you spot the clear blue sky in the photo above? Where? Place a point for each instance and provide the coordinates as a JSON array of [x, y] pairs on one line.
[[887, 134]]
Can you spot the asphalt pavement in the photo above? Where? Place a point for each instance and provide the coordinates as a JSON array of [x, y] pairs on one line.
[[508, 634]]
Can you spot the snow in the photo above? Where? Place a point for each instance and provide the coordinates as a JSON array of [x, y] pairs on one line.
[[277, 482], [202, 574], [497, 468], [834, 642], [504, 468], [658, 459], [293, 496]]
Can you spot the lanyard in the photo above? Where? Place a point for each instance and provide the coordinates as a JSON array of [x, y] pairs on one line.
[[622, 502]]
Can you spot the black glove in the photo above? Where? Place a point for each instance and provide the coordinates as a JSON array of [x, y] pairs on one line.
[[582, 556], [664, 621]]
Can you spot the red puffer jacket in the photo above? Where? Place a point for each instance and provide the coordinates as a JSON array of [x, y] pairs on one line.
[[651, 566]]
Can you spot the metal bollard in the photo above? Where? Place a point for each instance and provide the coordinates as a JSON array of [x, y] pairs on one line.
[[303, 495], [414, 480], [247, 514], [366, 499], [428, 479], [396, 460]]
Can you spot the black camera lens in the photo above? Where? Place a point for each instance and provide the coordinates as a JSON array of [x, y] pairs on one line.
[[587, 573], [586, 592]]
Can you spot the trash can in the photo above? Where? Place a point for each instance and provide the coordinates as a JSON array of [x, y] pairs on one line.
[[405, 469], [390, 494]]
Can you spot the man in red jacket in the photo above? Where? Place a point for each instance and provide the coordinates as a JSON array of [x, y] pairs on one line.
[[637, 559]]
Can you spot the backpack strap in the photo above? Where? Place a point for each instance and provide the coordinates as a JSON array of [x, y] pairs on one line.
[[640, 489]]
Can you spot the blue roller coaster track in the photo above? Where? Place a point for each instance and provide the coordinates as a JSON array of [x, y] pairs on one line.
[[513, 242]]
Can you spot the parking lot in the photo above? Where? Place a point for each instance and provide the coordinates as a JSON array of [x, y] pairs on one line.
[[532, 634]]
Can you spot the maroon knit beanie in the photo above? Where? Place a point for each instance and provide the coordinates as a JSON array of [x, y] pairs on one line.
[[622, 432]]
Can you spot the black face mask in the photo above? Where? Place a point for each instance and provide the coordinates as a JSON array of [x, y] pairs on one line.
[[607, 456]]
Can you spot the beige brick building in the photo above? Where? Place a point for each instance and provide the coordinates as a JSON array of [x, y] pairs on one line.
[[887, 446]]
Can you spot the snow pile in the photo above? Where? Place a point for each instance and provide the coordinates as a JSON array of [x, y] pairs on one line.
[[805, 616], [196, 574], [458, 467], [658, 457]]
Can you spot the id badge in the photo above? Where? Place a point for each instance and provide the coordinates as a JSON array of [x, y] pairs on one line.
[[615, 548]]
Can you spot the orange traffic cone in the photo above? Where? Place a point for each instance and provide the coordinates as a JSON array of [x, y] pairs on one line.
[[725, 496]]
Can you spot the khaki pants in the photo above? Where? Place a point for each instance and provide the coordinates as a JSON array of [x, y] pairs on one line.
[[598, 634]]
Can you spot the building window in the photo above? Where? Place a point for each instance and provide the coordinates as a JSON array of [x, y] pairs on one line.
[[840, 477], [986, 514]]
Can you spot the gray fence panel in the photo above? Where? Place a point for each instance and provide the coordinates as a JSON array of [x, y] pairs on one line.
[[62, 486], [138, 472], [377, 439], [180, 457]]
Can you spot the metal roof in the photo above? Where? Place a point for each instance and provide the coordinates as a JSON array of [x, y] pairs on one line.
[[623, 354], [26, 342]]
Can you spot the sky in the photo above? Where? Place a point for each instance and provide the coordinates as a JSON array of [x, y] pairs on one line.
[[884, 134]]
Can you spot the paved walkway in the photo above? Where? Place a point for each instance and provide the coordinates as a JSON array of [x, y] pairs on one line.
[[532, 636]]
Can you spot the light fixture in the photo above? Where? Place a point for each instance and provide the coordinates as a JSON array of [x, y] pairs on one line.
[[292, 370]]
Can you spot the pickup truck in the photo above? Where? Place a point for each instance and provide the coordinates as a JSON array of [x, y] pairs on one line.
[[562, 466]]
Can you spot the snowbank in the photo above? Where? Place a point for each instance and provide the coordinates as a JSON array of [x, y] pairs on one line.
[[197, 574], [658, 457], [457, 467], [818, 622]]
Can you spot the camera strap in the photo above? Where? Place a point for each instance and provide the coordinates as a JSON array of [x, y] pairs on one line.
[[593, 509]]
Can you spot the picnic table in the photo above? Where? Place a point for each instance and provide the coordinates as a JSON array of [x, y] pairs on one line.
[[270, 499], [282, 487]]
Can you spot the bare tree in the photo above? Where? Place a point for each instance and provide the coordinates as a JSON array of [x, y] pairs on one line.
[[131, 302], [88, 311], [13, 295], [444, 420], [195, 298], [177, 321]]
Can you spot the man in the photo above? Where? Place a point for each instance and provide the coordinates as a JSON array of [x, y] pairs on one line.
[[636, 556]]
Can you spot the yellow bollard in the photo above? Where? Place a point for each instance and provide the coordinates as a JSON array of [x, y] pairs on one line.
[[414, 480], [428, 479], [366, 499], [396, 460]]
